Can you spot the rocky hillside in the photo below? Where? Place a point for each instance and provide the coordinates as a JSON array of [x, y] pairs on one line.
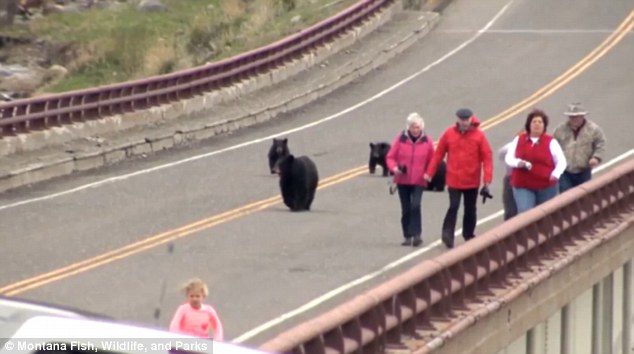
[[28, 63], [61, 45]]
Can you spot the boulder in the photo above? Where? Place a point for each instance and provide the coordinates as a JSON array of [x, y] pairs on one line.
[[151, 6], [22, 84]]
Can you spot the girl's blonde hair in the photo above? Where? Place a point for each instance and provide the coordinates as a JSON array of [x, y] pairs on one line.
[[196, 284]]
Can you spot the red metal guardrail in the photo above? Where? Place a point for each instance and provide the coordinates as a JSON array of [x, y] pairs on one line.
[[43, 112], [422, 308]]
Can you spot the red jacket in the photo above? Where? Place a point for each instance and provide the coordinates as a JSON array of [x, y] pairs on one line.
[[466, 154], [415, 156], [542, 161]]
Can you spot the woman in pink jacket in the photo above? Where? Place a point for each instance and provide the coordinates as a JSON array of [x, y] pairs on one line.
[[408, 159]]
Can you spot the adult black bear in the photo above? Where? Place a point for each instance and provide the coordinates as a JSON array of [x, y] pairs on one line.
[[378, 152], [437, 183], [298, 181], [278, 149]]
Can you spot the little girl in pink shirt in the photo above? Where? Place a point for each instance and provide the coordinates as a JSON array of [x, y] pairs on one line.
[[194, 317]]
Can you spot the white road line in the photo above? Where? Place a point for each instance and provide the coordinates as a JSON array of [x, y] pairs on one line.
[[331, 294], [266, 138], [533, 31]]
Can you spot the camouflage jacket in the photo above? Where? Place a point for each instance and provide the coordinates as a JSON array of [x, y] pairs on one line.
[[588, 143]]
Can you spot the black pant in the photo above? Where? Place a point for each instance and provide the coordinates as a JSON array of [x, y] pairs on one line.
[[510, 208], [411, 218], [470, 213]]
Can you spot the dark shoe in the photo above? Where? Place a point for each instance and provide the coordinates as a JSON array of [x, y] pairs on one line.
[[447, 239], [407, 242], [468, 238], [417, 241]]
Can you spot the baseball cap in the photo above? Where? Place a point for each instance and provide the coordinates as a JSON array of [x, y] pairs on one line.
[[464, 113]]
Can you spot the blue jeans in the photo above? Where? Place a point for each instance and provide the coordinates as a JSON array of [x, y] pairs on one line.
[[526, 199], [570, 180], [411, 215]]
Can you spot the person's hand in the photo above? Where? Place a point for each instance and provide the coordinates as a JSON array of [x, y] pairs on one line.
[[426, 177], [485, 193], [392, 187], [553, 178], [594, 162], [396, 171], [525, 165]]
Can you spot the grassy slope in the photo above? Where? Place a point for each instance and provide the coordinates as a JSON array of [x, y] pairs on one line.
[[115, 46]]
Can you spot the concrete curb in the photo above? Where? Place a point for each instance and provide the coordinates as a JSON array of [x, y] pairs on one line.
[[56, 165]]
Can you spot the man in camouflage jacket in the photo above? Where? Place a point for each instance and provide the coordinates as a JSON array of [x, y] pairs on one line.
[[583, 143]]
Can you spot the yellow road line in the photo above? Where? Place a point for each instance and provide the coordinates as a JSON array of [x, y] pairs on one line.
[[159, 239], [168, 236], [567, 76]]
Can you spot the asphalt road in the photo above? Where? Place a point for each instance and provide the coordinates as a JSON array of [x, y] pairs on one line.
[[261, 264]]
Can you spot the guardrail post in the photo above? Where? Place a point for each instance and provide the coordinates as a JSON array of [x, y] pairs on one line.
[[391, 308], [315, 346], [456, 274], [613, 209], [626, 184], [470, 267], [496, 255], [40, 123], [608, 310], [565, 340], [422, 292], [371, 322], [596, 318], [531, 341], [7, 130], [627, 307], [21, 127], [333, 341], [408, 304]]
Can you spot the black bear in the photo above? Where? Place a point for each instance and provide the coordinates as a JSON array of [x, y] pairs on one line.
[[378, 152], [437, 183], [298, 181], [278, 149]]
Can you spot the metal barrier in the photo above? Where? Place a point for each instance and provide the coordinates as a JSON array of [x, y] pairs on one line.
[[421, 309], [43, 112]]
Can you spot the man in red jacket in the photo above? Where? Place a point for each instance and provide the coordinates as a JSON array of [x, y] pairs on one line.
[[468, 151]]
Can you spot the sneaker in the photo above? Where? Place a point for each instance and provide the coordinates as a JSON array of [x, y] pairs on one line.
[[417, 241], [447, 239], [407, 242]]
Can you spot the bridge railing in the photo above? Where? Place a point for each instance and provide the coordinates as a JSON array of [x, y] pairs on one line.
[[38, 113], [424, 307]]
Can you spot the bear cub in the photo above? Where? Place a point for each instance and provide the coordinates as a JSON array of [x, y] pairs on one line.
[[378, 152], [437, 183]]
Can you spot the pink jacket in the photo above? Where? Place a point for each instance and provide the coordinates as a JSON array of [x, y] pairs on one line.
[[196, 322], [415, 156]]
